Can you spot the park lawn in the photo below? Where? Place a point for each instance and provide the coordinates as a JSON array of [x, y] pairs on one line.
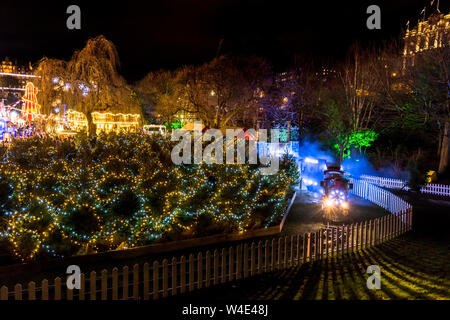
[[411, 268]]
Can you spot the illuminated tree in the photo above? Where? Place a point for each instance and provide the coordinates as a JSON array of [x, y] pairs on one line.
[[51, 83], [95, 84]]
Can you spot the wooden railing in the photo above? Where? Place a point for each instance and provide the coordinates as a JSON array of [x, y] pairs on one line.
[[176, 276]]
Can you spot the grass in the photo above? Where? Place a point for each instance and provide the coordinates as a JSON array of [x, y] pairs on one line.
[[410, 269], [414, 266]]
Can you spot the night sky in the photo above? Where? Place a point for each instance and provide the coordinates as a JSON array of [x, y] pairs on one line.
[[156, 34]]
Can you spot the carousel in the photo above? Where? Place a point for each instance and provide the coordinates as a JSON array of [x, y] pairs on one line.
[[20, 119]]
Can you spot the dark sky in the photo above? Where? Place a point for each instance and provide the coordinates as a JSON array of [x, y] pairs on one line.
[[157, 34]]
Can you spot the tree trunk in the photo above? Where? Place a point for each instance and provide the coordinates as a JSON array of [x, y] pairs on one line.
[[445, 155], [92, 127]]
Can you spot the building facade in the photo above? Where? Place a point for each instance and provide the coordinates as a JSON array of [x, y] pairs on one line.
[[104, 121], [429, 34]]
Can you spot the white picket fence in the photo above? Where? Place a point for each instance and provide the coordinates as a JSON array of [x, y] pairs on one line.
[[175, 276], [381, 197], [430, 188]]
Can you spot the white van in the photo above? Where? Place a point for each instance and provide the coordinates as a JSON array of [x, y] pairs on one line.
[[154, 128]]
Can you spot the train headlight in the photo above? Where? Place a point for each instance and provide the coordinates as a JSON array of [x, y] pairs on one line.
[[344, 205], [328, 202]]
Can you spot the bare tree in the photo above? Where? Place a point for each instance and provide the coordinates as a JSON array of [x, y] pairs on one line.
[[428, 82], [162, 93], [361, 88], [224, 91]]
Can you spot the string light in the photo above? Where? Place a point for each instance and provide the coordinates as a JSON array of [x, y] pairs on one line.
[[123, 191]]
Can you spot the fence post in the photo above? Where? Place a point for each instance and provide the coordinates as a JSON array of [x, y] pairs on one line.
[[136, 281], [155, 280], [272, 256], [69, 294], [32, 291], [146, 276], [115, 284], [394, 226], [57, 288], [224, 266], [245, 260], [4, 293], [397, 225], [320, 243], [252, 260], [326, 242], [199, 270], [183, 271], [308, 249], [266, 256], [390, 227], [366, 234], [285, 254], [298, 250], [405, 221], [82, 287], [380, 230], [93, 285], [18, 292], [313, 246], [104, 284], [260, 265], [44, 289], [376, 232], [165, 278], [279, 253], [191, 272], [174, 275], [216, 267], [410, 219], [356, 244], [332, 242], [208, 269], [125, 295], [239, 262], [352, 228], [348, 237]]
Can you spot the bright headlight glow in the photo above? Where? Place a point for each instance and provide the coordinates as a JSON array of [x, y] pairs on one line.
[[328, 202], [344, 204]]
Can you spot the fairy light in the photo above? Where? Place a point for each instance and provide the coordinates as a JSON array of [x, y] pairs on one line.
[[60, 205]]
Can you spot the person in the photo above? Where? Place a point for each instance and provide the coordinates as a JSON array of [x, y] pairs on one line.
[[7, 137]]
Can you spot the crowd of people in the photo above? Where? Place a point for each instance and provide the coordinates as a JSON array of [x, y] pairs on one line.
[[8, 134]]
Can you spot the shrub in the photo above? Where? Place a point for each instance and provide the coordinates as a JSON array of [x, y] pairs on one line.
[[63, 196]]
